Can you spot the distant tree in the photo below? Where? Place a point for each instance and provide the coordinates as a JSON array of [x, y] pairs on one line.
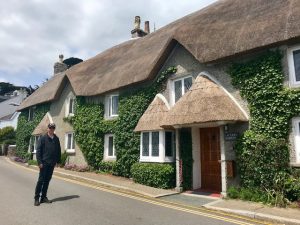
[[72, 61], [6, 87], [7, 134]]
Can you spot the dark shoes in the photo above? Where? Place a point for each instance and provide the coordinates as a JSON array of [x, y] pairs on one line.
[[45, 200], [36, 202]]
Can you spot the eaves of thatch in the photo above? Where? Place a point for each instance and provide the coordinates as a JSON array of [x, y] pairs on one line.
[[48, 92]]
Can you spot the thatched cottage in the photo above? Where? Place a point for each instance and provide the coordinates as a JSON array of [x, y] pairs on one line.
[[198, 97]]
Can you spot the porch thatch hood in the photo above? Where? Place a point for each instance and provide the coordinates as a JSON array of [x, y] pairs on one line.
[[204, 102], [41, 128], [154, 115]]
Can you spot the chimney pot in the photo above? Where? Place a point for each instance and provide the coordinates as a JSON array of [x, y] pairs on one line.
[[61, 58], [137, 22], [147, 28], [60, 66]]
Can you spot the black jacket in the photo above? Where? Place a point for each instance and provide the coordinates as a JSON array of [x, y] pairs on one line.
[[48, 150]]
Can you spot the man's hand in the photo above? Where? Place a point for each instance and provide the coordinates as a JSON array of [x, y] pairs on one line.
[[41, 166]]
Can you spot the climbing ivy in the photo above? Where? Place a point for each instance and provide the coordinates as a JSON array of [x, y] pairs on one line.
[[25, 128], [263, 150], [90, 126], [187, 158]]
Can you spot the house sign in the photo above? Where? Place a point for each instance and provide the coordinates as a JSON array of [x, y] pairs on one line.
[[232, 136]]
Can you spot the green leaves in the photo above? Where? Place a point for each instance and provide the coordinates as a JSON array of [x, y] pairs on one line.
[[90, 127], [263, 151], [154, 174]]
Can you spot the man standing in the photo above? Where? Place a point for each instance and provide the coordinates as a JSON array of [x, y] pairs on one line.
[[47, 154]]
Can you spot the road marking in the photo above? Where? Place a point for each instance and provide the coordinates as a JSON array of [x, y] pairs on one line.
[[159, 202]]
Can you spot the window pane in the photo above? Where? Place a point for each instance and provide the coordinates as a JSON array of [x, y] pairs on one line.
[[178, 90], [296, 55], [111, 146], [155, 143], [69, 141], [71, 105], [187, 84], [168, 144], [145, 150], [73, 141], [115, 105]]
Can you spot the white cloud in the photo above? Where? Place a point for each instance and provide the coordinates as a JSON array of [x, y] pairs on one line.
[[34, 32]]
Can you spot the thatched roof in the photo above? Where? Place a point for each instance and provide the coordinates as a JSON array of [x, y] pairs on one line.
[[224, 29], [154, 115], [41, 128], [46, 93], [204, 102]]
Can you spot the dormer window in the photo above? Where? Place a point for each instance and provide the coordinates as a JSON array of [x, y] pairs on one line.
[[180, 87], [70, 106], [294, 65], [113, 105]]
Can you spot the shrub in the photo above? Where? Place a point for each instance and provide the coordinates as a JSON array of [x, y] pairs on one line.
[[32, 162], [7, 134], [107, 167], [260, 158], [154, 174], [63, 158]]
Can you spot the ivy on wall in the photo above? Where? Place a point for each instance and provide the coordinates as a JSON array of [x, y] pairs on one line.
[[90, 126], [187, 158], [263, 150], [25, 128]]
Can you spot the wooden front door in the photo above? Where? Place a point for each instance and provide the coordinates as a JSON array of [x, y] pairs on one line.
[[210, 159]]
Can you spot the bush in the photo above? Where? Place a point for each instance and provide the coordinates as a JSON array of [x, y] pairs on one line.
[[154, 174], [7, 135], [107, 167], [32, 162], [63, 158], [248, 194], [260, 158]]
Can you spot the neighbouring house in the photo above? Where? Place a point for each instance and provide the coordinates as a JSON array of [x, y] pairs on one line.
[[8, 108], [197, 101]]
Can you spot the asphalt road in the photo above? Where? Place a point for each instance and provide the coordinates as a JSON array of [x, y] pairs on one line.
[[77, 204]]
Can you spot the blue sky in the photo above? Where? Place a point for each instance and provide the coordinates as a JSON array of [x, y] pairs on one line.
[[34, 32]]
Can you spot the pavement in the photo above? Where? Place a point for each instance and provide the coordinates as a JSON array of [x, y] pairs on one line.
[[252, 210]]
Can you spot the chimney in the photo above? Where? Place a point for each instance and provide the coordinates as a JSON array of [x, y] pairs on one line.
[[137, 31], [60, 66], [147, 28]]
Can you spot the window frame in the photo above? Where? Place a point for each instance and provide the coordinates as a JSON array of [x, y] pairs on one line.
[[68, 113], [291, 65], [181, 79], [162, 158], [109, 106], [70, 150], [106, 148], [296, 136], [35, 142], [31, 113]]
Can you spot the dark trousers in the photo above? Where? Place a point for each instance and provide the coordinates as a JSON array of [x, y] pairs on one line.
[[43, 181]]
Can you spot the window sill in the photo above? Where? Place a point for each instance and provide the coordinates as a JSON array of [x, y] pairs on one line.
[[295, 164], [294, 85], [108, 159], [71, 151]]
